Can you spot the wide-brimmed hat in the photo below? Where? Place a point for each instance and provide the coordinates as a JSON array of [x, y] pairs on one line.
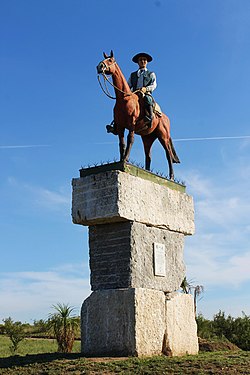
[[136, 57]]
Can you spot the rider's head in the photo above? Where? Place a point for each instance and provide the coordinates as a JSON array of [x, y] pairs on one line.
[[142, 59]]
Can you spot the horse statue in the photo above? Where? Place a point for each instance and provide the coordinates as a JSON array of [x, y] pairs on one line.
[[129, 113]]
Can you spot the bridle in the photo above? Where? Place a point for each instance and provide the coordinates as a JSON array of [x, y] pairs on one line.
[[106, 91]]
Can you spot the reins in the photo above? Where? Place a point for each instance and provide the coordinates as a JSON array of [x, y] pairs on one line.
[[115, 87], [106, 91]]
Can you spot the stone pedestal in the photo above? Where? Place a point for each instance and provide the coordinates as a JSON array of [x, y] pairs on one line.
[[137, 223]]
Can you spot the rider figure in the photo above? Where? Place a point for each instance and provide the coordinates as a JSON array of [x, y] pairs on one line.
[[144, 80]]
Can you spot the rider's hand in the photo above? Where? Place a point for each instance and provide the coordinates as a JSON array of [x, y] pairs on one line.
[[144, 90]]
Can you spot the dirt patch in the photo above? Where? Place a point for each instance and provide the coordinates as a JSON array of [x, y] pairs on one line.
[[215, 346], [106, 359]]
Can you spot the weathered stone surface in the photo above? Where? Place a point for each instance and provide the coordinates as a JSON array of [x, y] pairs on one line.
[[137, 322], [181, 329], [123, 322], [121, 256], [149, 321], [134, 309], [107, 323], [117, 196]]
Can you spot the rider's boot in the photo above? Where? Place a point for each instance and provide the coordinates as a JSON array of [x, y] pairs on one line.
[[149, 116], [111, 128]]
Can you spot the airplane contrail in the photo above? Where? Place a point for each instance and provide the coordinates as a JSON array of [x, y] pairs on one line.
[[24, 146], [211, 138], [174, 139], [192, 139]]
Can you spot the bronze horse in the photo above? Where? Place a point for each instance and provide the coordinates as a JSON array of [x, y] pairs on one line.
[[129, 114]]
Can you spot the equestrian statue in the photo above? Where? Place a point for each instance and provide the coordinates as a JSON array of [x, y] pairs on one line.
[[136, 110]]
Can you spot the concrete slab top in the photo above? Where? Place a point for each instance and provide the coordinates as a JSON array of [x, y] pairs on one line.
[[134, 171], [115, 195]]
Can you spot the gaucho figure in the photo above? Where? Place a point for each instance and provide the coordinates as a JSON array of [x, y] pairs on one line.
[[144, 80]]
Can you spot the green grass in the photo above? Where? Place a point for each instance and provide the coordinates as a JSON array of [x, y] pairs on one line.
[[39, 357], [56, 364], [32, 346]]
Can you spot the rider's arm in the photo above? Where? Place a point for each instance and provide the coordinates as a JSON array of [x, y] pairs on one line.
[[153, 85]]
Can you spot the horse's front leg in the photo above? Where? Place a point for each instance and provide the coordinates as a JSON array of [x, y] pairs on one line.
[[130, 141]]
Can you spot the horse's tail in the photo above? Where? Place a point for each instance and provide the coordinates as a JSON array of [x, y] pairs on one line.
[[175, 158]]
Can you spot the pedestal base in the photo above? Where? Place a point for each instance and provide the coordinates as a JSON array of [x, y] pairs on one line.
[[138, 322]]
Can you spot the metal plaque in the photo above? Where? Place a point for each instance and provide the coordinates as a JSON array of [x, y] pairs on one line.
[[159, 259]]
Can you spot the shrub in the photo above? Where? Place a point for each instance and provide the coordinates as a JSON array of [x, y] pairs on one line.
[[15, 331], [40, 326], [235, 330], [240, 334], [204, 327], [64, 326]]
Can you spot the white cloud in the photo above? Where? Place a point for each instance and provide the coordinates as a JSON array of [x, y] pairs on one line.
[[219, 253], [51, 199], [212, 268], [41, 197], [30, 295]]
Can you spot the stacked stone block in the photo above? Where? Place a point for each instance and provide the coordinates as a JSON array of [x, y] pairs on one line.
[[137, 223]]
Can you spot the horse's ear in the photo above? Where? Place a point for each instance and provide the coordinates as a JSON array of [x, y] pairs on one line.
[[105, 55], [111, 54]]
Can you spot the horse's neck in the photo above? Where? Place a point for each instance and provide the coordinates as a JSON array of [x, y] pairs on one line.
[[120, 83]]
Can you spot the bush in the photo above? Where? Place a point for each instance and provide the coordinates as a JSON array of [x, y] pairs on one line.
[[204, 327], [241, 332], [15, 331], [64, 326], [235, 330], [40, 326]]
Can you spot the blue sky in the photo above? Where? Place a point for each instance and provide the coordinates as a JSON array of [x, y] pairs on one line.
[[53, 116]]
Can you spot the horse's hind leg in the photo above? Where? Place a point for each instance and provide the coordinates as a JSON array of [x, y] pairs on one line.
[[165, 144], [170, 165], [122, 145], [148, 140], [130, 141]]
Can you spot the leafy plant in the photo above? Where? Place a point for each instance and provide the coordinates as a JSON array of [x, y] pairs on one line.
[[64, 326], [15, 331], [236, 330], [40, 326], [188, 288], [205, 327]]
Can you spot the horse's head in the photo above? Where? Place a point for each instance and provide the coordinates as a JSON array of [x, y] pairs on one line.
[[106, 66]]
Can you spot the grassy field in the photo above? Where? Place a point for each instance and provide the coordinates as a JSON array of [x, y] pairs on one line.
[[32, 346], [42, 360]]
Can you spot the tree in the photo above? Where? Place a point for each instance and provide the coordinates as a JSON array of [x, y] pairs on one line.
[[15, 331], [64, 326], [188, 288], [198, 290]]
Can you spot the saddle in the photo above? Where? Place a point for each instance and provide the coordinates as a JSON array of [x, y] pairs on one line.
[[111, 128], [157, 109]]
